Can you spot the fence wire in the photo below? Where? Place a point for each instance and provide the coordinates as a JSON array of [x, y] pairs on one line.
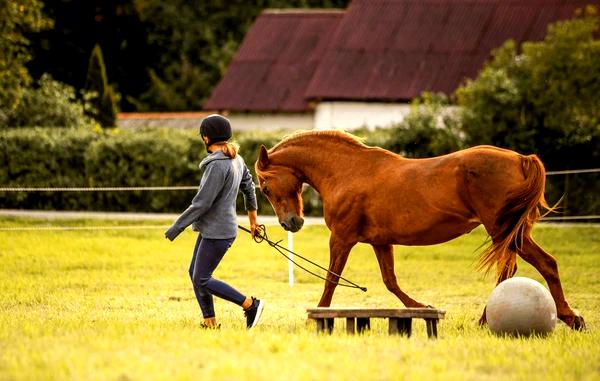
[[96, 189], [195, 187], [84, 228]]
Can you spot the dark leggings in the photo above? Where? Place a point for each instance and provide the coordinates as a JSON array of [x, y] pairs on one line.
[[207, 255]]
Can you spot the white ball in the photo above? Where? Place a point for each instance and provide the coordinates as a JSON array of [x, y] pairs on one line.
[[521, 306]]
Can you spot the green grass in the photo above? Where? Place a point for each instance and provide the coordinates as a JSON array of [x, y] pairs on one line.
[[117, 305]]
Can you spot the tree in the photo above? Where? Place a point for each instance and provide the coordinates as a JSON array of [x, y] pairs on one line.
[[431, 128], [17, 17], [542, 99], [160, 55], [79, 26], [103, 96], [50, 104]]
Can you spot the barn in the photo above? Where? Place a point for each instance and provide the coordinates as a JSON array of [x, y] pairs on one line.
[[360, 67]]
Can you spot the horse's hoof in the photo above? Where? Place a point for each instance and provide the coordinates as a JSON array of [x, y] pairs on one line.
[[578, 323], [482, 321]]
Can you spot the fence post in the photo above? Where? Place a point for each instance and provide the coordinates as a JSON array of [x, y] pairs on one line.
[[290, 263]]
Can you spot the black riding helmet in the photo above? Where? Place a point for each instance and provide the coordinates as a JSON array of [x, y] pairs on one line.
[[216, 128]]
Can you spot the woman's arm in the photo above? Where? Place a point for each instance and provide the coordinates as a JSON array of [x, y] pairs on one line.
[[249, 190], [210, 186]]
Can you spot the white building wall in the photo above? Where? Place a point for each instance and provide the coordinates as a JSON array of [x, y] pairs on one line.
[[270, 122], [327, 115], [353, 115]]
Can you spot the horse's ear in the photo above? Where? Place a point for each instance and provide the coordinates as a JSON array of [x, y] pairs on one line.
[[263, 158]]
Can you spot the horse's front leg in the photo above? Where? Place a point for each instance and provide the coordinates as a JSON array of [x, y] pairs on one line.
[[385, 257], [338, 256]]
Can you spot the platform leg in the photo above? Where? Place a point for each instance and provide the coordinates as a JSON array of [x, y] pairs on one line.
[[363, 324], [405, 326], [350, 326], [329, 325], [320, 325], [431, 328]]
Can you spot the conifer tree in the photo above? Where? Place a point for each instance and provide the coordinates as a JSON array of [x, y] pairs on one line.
[[104, 99]]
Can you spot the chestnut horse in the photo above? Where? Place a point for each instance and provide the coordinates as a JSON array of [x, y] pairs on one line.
[[374, 196]]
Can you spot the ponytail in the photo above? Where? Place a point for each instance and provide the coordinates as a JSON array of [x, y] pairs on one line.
[[230, 149]]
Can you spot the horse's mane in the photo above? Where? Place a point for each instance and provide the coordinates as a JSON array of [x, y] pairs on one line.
[[337, 135]]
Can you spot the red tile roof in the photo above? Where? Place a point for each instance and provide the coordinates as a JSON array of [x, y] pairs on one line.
[[377, 50], [275, 62]]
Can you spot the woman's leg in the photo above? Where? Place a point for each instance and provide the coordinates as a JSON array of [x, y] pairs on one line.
[[204, 298], [207, 258]]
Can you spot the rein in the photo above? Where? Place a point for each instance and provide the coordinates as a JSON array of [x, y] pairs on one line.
[[258, 238]]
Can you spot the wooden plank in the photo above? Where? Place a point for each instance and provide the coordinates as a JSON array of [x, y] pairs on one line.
[[421, 313]]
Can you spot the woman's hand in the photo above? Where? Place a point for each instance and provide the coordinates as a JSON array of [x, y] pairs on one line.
[[255, 229]]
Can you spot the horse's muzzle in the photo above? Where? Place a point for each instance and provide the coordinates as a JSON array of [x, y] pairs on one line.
[[292, 223]]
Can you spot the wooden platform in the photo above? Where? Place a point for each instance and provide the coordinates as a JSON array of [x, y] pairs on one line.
[[358, 319]]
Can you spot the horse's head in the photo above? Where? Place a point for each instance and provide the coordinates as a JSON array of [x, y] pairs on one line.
[[283, 189]]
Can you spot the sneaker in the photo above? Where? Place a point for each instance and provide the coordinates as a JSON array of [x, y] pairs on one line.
[[253, 313]]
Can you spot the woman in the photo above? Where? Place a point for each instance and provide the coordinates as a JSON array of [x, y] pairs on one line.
[[212, 213]]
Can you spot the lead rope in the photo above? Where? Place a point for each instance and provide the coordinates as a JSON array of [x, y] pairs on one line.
[[258, 238]]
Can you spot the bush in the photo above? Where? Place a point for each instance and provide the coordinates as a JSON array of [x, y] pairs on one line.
[[143, 158], [44, 157], [430, 129], [50, 104], [63, 157]]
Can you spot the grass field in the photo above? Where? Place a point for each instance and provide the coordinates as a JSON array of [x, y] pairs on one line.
[[118, 305]]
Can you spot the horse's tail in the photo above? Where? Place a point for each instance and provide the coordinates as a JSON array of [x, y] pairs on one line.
[[514, 220]]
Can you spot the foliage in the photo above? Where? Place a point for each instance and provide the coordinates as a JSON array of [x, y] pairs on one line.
[[58, 157], [430, 129], [181, 48], [79, 26], [118, 304], [17, 17], [50, 104], [162, 157], [104, 98], [44, 157], [543, 99], [165, 157]]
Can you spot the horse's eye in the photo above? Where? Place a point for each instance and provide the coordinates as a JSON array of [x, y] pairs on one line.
[[265, 191]]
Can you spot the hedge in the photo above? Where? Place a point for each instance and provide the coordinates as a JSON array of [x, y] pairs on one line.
[[44, 157], [74, 157]]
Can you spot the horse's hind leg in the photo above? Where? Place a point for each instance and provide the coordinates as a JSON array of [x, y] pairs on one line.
[[385, 257], [546, 265], [504, 275], [338, 256]]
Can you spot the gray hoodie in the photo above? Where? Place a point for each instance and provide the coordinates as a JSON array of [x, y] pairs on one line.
[[212, 211]]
